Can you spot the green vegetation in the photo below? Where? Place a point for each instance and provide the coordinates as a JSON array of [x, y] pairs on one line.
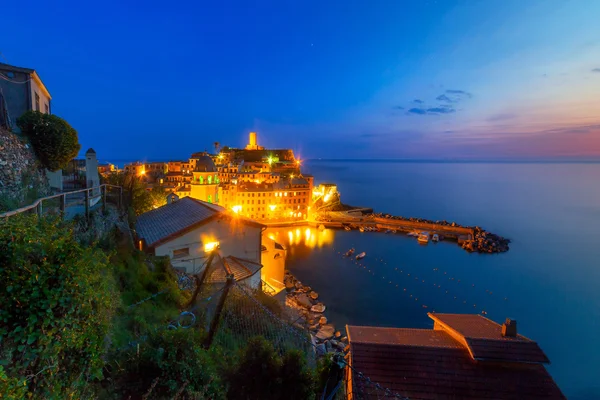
[[137, 199], [92, 322], [54, 141], [56, 308]]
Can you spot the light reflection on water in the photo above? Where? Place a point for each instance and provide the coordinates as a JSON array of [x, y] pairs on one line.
[[301, 239]]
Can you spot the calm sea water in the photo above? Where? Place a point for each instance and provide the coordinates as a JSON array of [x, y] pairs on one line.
[[549, 281]]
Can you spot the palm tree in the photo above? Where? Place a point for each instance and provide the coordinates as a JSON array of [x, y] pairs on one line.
[[217, 145]]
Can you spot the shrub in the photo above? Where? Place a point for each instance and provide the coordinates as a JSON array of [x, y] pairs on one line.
[[56, 307], [261, 374], [54, 141], [169, 363]]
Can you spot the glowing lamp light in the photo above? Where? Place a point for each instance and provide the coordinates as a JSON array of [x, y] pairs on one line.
[[210, 246], [270, 160], [326, 198], [272, 207], [236, 209]]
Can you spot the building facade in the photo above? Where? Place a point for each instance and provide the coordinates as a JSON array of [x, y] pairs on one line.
[[21, 90]]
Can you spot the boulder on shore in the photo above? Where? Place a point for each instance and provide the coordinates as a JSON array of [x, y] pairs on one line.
[[326, 332], [303, 300], [318, 308]]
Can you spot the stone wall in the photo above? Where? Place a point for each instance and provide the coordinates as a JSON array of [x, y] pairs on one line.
[[21, 180]]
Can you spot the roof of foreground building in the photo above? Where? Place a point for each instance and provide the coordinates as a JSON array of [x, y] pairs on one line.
[[463, 357]]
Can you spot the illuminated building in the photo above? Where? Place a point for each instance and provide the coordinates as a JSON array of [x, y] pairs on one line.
[[187, 231], [253, 142], [205, 180]]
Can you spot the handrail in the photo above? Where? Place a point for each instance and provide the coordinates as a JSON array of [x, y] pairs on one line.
[[40, 200]]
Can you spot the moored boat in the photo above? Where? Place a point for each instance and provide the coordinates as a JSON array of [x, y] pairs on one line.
[[347, 228], [349, 252], [423, 237], [361, 255], [360, 228], [435, 237]]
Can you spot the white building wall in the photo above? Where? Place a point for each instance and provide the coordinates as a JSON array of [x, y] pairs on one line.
[[235, 239], [44, 100]]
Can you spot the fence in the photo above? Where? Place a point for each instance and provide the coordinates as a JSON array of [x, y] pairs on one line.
[[73, 203]]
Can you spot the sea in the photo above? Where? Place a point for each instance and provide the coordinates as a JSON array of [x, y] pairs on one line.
[[549, 280]]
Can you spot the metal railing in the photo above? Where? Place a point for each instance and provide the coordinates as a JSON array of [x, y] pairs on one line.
[[77, 202]]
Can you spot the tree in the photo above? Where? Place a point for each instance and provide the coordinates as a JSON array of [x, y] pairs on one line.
[[135, 194], [54, 141], [56, 308]]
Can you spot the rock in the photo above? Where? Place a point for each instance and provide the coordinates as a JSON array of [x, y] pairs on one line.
[[298, 285], [326, 332], [314, 295], [338, 334], [319, 308], [321, 349], [341, 346], [304, 301], [314, 327], [345, 339], [289, 285], [328, 346], [323, 320]]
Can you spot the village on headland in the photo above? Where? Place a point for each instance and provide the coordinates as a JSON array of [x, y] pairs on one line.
[[209, 222]]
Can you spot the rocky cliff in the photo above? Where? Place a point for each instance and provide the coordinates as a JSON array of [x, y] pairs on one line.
[[21, 179]]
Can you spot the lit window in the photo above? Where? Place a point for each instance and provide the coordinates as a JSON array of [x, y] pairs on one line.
[[180, 253]]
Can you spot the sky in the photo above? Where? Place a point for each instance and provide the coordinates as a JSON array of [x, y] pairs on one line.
[[330, 79]]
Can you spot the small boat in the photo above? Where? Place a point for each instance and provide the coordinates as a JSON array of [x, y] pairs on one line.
[[388, 231], [361, 256], [349, 253], [413, 234], [360, 228], [423, 237], [435, 237], [347, 228], [394, 231]]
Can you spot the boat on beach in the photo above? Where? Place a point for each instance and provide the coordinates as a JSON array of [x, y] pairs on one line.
[[423, 237], [361, 256]]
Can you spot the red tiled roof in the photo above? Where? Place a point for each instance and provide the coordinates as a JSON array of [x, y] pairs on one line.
[[438, 363], [484, 339], [240, 268], [421, 372]]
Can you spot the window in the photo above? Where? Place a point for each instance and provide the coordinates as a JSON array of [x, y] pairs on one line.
[[47, 108], [37, 102], [180, 253]]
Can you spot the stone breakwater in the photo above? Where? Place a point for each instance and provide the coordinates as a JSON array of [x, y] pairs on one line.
[[477, 239], [309, 312]]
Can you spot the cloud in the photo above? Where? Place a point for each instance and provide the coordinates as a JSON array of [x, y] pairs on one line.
[[596, 70], [418, 101], [399, 108], [459, 92], [443, 97], [501, 117], [441, 110], [420, 111]]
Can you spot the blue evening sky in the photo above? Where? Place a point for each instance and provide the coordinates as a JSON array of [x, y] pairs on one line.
[[368, 79]]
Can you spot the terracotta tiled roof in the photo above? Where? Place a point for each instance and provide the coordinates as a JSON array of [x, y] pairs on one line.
[[241, 269], [437, 364], [418, 372], [168, 220], [405, 337], [484, 339]]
